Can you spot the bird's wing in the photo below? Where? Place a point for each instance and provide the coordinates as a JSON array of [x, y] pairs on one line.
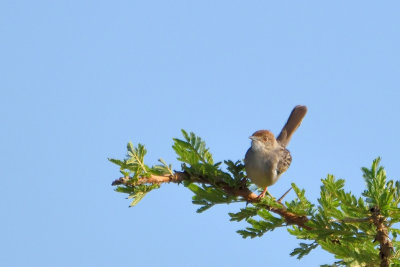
[[284, 162]]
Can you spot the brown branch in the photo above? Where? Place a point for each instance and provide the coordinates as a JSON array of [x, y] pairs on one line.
[[382, 236], [244, 192], [352, 220]]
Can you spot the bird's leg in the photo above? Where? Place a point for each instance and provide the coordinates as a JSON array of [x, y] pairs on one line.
[[260, 196]]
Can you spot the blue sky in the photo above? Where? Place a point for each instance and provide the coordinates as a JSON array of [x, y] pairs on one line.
[[79, 79]]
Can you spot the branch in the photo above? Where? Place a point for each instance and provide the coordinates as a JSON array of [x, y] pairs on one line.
[[352, 220], [244, 192], [382, 236]]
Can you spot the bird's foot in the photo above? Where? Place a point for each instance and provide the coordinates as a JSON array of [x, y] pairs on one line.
[[262, 195]]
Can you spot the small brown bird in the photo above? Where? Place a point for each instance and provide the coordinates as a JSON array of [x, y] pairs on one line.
[[268, 158]]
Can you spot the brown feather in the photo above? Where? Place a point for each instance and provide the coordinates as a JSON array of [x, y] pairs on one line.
[[291, 125]]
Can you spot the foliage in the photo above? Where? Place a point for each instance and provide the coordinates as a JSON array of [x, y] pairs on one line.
[[339, 223]]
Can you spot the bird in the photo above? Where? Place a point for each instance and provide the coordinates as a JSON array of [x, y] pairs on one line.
[[267, 158]]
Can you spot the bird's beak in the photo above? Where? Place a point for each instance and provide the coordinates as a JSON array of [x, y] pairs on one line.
[[252, 138]]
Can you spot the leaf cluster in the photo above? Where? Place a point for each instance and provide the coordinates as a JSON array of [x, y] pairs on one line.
[[260, 219], [340, 224], [205, 178], [133, 167], [198, 162]]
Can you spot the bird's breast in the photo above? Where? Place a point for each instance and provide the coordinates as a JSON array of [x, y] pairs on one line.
[[261, 167]]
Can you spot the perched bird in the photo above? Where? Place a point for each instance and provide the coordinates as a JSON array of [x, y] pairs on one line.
[[268, 158]]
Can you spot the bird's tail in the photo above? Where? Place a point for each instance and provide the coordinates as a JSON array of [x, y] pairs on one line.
[[291, 125]]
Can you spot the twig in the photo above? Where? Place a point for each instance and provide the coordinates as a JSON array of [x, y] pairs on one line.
[[352, 220], [284, 195], [244, 192]]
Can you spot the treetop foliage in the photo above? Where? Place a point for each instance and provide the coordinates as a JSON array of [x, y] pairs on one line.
[[359, 231]]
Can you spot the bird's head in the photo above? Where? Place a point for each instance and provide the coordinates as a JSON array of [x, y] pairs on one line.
[[263, 138]]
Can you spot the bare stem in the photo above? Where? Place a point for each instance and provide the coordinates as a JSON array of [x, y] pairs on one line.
[[284, 195]]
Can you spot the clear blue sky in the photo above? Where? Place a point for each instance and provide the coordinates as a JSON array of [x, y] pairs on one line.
[[79, 79]]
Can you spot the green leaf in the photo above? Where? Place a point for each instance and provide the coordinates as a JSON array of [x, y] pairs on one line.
[[303, 250], [193, 150], [163, 169], [136, 198], [244, 213]]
